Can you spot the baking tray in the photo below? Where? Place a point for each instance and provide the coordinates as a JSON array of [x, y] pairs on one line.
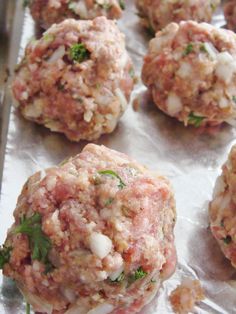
[[189, 157]]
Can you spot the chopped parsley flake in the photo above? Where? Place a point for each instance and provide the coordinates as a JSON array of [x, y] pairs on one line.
[[234, 99], [27, 308], [40, 244], [4, 255], [48, 37], [139, 274], [122, 4], [109, 201], [203, 48], [26, 3], [131, 72], [213, 7], [113, 174], [188, 49], [227, 240], [195, 120], [105, 6], [79, 53]]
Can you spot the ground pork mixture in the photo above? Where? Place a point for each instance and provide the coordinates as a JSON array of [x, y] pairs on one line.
[[222, 209], [48, 12], [186, 295], [190, 69], [156, 14], [92, 235], [76, 79]]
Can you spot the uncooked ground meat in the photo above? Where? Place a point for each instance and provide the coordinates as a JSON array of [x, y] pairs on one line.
[[190, 69], [222, 209], [230, 14], [48, 12], [186, 295], [76, 79], [110, 224], [156, 14]]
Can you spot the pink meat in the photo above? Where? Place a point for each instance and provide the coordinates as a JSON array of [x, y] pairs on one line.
[[101, 227]]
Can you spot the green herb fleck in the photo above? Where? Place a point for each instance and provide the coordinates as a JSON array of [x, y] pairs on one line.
[[195, 120], [213, 7], [151, 30], [26, 3], [234, 99], [4, 255], [48, 37], [79, 53], [40, 244], [188, 49], [227, 240], [153, 280], [203, 48], [139, 274], [113, 174], [131, 72], [105, 6], [120, 278], [109, 201], [27, 308], [122, 4]]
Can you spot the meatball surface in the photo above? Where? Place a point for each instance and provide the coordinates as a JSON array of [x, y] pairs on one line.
[[156, 14], [106, 229], [76, 79], [190, 69], [230, 14], [222, 209], [48, 12]]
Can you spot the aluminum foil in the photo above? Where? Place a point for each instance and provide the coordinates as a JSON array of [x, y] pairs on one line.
[[190, 158]]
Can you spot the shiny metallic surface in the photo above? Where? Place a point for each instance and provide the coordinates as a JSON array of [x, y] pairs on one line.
[[189, 157]]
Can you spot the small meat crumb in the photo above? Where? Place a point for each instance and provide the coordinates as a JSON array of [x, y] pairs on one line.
[[186, 295]]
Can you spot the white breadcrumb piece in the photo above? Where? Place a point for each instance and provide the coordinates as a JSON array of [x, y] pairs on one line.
[[222, 209], [156, 14], [76, 79], [48, 12], [186, 295], [190, 70]]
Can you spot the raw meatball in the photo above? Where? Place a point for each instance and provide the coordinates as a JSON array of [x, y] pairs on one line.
[[222, 209], [76, 79], [48, 12], [186, 295], [190, 70], [158, 13], [230, 14], [104, 230]]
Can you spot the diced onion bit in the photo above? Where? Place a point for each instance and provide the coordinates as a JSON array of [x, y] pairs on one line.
[[57, 54], [100, 244], [210, 49], [174, 104], [122, 98]]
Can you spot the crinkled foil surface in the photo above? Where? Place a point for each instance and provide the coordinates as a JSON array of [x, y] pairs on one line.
[[190, 158]]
